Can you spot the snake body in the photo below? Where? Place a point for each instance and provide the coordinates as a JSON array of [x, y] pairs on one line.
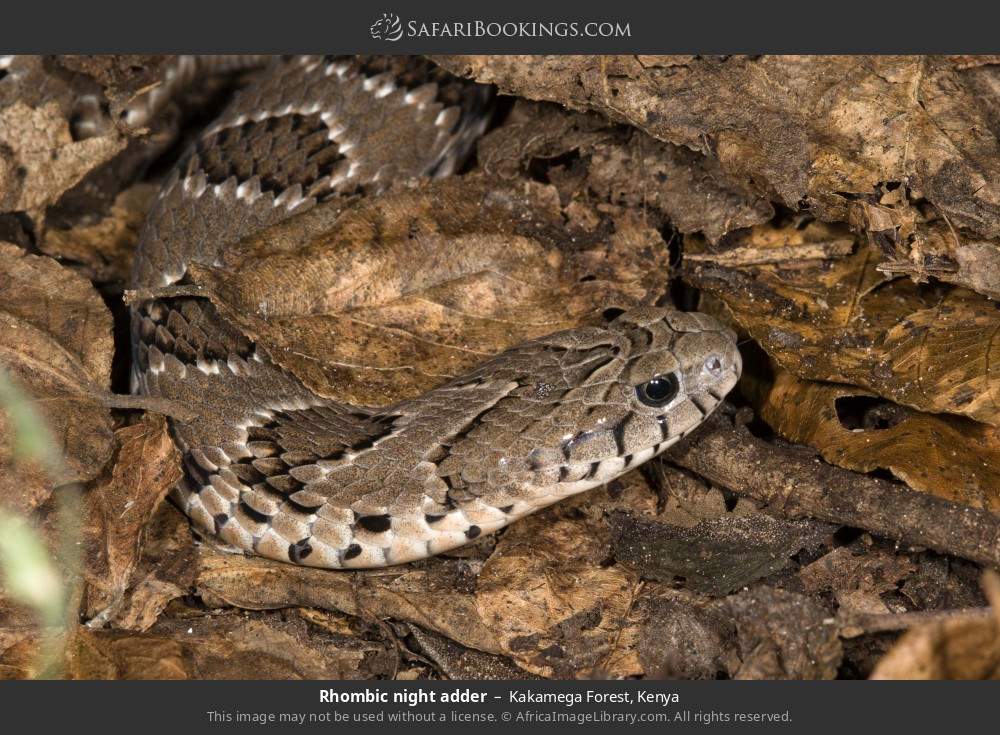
[[276, 470]]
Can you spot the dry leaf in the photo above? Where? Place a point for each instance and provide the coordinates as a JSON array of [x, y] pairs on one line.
[[950, 456], [226, 647], [55, 339], [684, 636], [434, 594], [554, 608], [404, 290], [783, 635], [166, 570], [915, 241], [120, 507], [458, 662], [715, 557], [839, 321], [857, 580]]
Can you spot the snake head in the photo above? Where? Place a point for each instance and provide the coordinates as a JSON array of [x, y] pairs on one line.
[[630, 390], [675, 358]]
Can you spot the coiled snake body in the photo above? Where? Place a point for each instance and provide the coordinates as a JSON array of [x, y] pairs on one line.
[[273, 468]]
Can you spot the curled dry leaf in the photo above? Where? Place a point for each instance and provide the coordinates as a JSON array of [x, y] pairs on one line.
[[165, 571], [950, 456], [458, 662], [914, 240], [759, 633], [857, 580], [398, 292], [840, 321], [55, 340], [682, 635], [119, 508], [553, 595]]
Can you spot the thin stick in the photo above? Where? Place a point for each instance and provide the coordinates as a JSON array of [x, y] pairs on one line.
[[854, 625], [794, 484], [173, 409]]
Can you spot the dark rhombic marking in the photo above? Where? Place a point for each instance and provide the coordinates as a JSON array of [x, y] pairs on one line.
[[299, 550], [375, 524], [220, 520], [250, 149], [352, 551], [473, 531]]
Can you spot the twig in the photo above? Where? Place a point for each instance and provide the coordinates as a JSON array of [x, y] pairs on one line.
[[795, 486], [134, 296], [760, 256], [173, 409], [857, 624]]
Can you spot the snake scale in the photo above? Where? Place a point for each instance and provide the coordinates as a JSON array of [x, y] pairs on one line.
[[276, 470]]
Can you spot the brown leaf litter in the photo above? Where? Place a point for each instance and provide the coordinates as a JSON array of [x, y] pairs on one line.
[[55, 340], [841, 212]]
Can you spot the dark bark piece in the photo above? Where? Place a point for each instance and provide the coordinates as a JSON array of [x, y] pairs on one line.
[[716, 557]]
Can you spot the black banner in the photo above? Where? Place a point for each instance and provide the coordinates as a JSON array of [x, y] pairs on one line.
[[514, 26], [464, 707]]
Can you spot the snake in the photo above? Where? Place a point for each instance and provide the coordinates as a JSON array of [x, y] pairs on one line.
[[270, 467]]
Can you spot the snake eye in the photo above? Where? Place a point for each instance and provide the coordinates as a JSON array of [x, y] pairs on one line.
[[659, 391]]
